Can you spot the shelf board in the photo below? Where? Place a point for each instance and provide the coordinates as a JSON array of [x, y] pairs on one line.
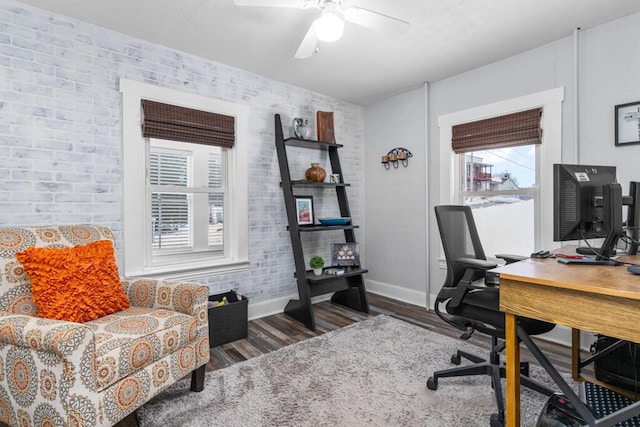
[[318, 184], [310, 143], [348, 272], [308, 228]]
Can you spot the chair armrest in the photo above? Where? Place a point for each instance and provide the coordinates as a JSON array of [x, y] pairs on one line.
[[36, 333], [478, 264], [510, 259], [183, 297], [73, 344]]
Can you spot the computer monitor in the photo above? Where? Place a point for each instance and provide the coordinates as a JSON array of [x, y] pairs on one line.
[[633, 217], [587, 205]]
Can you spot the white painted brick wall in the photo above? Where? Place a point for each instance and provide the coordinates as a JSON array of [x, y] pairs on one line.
[[61, 136]]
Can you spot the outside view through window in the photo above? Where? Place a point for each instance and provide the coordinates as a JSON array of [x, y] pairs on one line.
[[180, 194], [500, 186]]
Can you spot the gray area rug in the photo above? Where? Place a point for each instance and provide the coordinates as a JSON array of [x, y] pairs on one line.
[[371, 373]]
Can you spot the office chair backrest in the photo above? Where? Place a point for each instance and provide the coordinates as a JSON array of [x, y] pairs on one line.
[[459, 237]]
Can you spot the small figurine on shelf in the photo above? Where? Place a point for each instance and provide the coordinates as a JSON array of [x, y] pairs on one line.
[[316, 263]]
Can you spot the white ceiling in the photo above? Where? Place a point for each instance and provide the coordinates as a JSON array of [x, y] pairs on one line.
[[445, 38]]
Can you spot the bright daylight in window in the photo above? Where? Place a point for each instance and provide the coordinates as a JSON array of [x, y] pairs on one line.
[[186, 190], [500, 186]]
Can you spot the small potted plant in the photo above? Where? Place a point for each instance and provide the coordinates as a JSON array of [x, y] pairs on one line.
[[316, 264]]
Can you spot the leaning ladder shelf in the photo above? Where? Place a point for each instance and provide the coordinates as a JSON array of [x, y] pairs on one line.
[[348, 289]]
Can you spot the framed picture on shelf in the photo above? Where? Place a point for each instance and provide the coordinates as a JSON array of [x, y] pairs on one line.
[[627, 118], [345, 254], [304, 210]]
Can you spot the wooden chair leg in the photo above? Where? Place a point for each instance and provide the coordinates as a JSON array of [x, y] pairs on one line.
[[197, 378]]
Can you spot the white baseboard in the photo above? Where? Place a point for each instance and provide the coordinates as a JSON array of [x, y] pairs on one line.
[[276, 306], [267, 308], [410, 296]]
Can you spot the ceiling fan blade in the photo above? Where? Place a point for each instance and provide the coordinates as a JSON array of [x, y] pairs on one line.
[[375, 21], [297, 4], [308, 45]]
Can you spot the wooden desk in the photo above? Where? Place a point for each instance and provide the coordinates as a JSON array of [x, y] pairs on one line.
[[600, 299]]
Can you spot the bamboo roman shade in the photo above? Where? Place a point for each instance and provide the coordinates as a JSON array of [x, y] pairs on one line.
[[166, 121], [497, 132]]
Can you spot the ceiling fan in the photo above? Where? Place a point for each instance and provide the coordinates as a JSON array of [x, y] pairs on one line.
[[329, 26]]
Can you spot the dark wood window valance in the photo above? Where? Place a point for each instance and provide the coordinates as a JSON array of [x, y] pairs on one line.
[[497, 132], [166, 121]]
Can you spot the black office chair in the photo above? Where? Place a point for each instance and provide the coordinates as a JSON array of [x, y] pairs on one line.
[[471, 303]]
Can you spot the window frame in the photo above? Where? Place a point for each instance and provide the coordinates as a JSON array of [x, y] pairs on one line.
[[137, 224]]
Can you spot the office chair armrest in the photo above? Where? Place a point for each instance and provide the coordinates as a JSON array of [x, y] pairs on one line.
[[511, 258], [465, 284], [478, 264]]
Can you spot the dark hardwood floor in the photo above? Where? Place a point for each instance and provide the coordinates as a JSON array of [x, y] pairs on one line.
[[273, 332]]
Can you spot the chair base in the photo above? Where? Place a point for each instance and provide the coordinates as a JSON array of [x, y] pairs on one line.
[[493, 368]]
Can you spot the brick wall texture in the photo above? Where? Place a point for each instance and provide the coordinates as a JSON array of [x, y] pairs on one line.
[[61, 136]]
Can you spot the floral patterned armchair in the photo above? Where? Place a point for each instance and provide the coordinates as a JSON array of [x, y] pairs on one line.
[[61, 373]]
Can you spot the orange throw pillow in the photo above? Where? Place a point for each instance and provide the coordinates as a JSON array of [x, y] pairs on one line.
[[76, 284]]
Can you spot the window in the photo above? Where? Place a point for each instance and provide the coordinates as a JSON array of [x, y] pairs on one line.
[[500, 186], [185, 205], [513, 184], [498, 177], [186, 193]]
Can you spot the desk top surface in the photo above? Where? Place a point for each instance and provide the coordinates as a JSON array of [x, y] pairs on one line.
[[606, 280]]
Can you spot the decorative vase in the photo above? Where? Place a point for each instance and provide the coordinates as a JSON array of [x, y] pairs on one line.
[[301, 128], [315, 173], [317, 271]]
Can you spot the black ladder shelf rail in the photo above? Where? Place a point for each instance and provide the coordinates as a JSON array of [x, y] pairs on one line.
[[348, 288]]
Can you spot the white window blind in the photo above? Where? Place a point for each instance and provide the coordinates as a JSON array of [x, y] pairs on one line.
[[216, 200], [187, 189], [169, 176]]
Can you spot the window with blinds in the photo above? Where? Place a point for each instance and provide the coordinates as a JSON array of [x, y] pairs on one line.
[[185, 182], [169, 177], [186, 191], [216, 200]]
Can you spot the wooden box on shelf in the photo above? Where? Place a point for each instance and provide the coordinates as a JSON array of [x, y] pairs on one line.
[[324, 121]]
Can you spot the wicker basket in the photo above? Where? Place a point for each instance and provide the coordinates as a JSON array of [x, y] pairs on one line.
[[228, 322]]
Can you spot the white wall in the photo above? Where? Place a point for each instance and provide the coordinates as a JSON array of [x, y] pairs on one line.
[[609, 70], [395, 199], [609, 75], [61, 137]]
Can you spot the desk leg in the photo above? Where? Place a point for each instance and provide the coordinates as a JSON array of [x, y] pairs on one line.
[[513, 371], [575, 353]]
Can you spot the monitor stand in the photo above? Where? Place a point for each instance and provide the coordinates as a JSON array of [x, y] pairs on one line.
[[588, 261], [585, 250]]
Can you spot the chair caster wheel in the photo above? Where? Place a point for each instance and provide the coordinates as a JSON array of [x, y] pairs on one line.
[[432, 383], [455, 359], [496, 421]]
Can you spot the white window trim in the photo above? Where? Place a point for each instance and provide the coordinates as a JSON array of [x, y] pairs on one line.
[[134, 154], [550, 151]]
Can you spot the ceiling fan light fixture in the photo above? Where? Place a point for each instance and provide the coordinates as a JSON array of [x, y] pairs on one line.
[[329, 27]]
